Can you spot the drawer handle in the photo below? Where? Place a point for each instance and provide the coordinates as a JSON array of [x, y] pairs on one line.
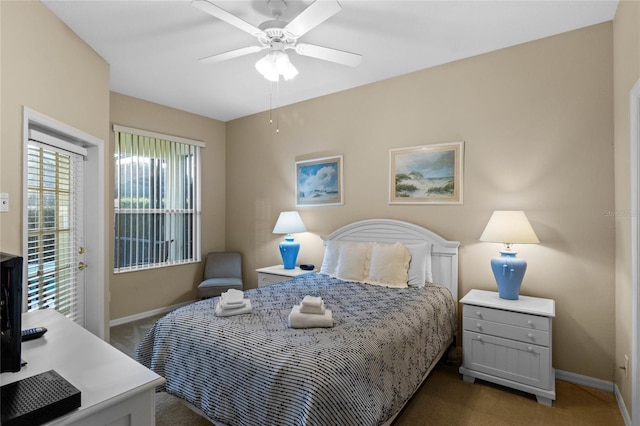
[[479, 337], [529, 348], [530, 336], [479, 325], [478, 313]]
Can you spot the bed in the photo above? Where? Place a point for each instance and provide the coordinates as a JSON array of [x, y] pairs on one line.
[[254, 369]]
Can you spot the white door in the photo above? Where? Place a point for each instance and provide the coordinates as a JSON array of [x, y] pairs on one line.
[[55, 226], [93, 288]]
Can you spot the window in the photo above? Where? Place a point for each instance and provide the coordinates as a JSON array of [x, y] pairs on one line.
[[54, 227], [157, 200]]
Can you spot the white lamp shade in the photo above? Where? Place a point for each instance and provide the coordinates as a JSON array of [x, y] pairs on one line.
[[509, 227], [289, 223]]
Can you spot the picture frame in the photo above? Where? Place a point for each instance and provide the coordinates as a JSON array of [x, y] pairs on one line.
[[319, 182], [426, 174]]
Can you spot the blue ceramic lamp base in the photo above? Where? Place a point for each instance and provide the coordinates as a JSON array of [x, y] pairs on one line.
[[289, 249], [508, 271]]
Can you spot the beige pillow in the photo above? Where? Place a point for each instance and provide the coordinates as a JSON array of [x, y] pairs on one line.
[[353, 261], [389, 265]]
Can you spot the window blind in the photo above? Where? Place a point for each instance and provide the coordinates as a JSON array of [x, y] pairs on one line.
[[55, 230], [156, 202]]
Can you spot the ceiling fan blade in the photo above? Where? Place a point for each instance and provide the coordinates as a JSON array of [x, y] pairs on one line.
[[222, 14], [231, 54], [312, 16], [328, 54]]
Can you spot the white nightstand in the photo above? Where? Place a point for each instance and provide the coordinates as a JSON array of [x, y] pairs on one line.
[[508, 342], [276, 274]]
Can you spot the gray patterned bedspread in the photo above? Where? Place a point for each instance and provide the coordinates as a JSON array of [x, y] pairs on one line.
[[254, 370]]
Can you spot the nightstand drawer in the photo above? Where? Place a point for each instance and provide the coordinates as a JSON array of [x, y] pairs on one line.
[[508, 359], [268, 279], [532, 322], [521, 334], [277, 274]]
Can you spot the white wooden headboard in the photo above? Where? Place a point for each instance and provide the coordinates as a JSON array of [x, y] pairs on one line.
[[444, 254]]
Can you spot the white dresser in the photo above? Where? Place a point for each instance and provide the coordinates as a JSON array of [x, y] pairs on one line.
[[508, 342], [115, 389], [277, 273]]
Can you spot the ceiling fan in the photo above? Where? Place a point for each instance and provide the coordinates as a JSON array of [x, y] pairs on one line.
[[278, 36]]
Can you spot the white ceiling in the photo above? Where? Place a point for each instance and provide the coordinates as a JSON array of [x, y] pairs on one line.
[[153, 46]]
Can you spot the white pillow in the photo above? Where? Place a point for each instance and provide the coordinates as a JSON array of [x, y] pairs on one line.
[[353, 261], [420, 264], [389, 265], [330, 260]]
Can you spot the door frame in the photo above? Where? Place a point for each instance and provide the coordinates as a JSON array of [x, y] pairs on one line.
[[634, 136], [94, 195]]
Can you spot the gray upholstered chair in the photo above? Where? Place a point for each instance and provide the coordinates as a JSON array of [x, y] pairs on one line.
[[222, 271]]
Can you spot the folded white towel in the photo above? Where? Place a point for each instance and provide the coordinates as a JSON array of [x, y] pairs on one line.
[[315, 310], [232, 296], [232, 306], [300, 320], [231, 302], [314, 301], [225, 312]]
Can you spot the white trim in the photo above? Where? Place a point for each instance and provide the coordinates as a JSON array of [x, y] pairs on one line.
[[623, 408], [46, 139], [94, 222], [597, 384], [143, 315], [579, 379], [197, 229], [139, 132], [634, 141]]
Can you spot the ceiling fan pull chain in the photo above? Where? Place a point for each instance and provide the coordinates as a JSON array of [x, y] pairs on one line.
[[270, 107]]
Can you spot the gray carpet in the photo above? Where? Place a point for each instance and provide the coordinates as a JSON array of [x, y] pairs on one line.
[[444, 399]]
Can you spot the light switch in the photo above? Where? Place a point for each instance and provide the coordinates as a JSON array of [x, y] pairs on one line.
[[4, 202]]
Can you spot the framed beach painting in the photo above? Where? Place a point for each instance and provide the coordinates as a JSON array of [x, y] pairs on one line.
[[319, 182], [428, 174]]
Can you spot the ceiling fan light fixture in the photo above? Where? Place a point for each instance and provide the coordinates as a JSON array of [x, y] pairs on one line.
[[278, 36], [284, 66], [267, 68], [275, 64]]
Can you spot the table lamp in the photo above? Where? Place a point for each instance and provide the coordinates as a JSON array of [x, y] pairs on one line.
[[289, 223], [509, 227]]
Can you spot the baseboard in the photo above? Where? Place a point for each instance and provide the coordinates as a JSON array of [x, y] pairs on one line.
[[598, 384], [584, 380], [623, 408], [147, 314]]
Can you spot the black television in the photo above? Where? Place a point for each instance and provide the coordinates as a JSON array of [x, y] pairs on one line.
[[10, 312]]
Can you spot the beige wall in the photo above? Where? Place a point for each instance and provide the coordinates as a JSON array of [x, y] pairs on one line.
[[626, 65], [537, 124], [142, 291], [49, 69]]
